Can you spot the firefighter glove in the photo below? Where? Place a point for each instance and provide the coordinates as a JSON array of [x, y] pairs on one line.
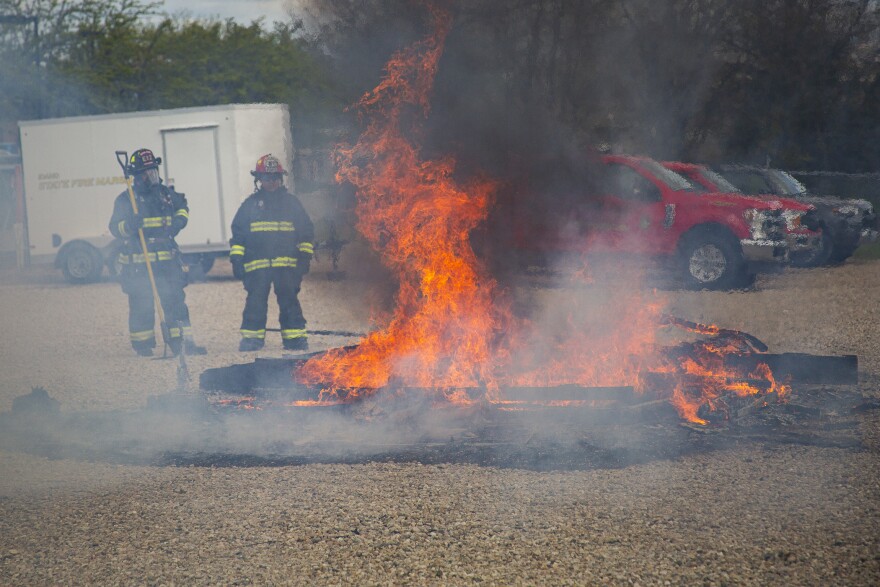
[[238, 269], [303, 263], [134, 223], [177, 224]]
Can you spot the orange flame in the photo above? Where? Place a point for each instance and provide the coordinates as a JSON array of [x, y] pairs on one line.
[[703, 380], [451, 328], [414, 212]]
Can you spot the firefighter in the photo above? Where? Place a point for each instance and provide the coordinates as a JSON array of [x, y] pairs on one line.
[[271, 246], [162, 214]]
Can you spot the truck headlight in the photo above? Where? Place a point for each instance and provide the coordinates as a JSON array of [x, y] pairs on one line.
[[793, 218], [758, 221]]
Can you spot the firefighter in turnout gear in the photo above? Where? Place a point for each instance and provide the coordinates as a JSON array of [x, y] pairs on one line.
[[162, 213], [271, 246]]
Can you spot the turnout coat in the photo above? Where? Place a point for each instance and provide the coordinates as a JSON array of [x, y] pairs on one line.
[[272, 230], [165, 213]]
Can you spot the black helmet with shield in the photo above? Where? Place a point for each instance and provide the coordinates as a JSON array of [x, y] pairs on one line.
[[144, 167]]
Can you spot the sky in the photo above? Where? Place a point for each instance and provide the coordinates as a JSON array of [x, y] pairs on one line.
[[241, 10]]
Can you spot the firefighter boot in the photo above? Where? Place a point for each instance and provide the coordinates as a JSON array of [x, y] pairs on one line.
[[250, 344], [143, 350], [296, 344], [191, 348]]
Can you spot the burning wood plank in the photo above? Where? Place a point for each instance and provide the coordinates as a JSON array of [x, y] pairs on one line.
[[743, 339], [801, 367]]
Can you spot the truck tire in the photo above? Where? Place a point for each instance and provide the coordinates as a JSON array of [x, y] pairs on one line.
[[840, 252], [82, 263], [712, 260]]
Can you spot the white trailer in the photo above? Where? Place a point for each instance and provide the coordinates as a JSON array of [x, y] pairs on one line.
[[71, 177]]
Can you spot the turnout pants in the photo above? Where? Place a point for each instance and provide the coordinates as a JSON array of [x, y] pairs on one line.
[[170, 281], [286, 281]]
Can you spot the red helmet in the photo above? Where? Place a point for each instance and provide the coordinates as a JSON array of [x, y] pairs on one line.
[[268, 164]]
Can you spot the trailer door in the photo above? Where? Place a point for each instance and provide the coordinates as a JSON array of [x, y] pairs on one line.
[[191, 163]]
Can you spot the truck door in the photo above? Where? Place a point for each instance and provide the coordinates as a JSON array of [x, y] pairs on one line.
[[191, 164], [632, 213]]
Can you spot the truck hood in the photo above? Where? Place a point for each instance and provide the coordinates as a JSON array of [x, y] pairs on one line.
[[785, 202], [862, 206], [736, 200]]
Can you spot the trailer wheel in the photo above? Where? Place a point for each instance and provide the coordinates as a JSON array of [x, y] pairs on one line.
[[712, 261], [206, 262], [82, 263], [197, 266]]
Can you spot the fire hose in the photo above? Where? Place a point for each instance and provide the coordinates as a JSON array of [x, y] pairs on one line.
[[326, 332]]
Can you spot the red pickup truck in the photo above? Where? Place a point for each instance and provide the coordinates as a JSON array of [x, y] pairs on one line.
[[640, 207], [802, 223]]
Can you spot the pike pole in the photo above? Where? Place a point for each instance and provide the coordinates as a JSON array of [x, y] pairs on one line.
[[182, 369]]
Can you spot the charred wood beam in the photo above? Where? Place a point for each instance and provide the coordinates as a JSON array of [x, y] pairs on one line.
[[660, 384], [795, 368], [277, 374], [711, 330], [261, 374], [800, 367]]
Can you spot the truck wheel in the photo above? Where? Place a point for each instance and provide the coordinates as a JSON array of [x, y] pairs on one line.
[[712, 261], [841, 252], [82, 263]]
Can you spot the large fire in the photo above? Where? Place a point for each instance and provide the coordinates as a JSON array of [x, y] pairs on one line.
[[452, 327], [413, 211]]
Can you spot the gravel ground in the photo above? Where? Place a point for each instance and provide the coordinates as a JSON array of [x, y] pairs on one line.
[[750, 515]]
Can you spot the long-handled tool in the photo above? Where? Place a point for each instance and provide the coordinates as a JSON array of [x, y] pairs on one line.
[[326, 332], [182, 370]]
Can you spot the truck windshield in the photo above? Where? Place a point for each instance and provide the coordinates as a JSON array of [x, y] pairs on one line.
[[749, 181], [721, 184], [675, 181], [787, 185]]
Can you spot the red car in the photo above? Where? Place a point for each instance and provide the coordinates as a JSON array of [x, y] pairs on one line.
[[802, 223], [716, 240]]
